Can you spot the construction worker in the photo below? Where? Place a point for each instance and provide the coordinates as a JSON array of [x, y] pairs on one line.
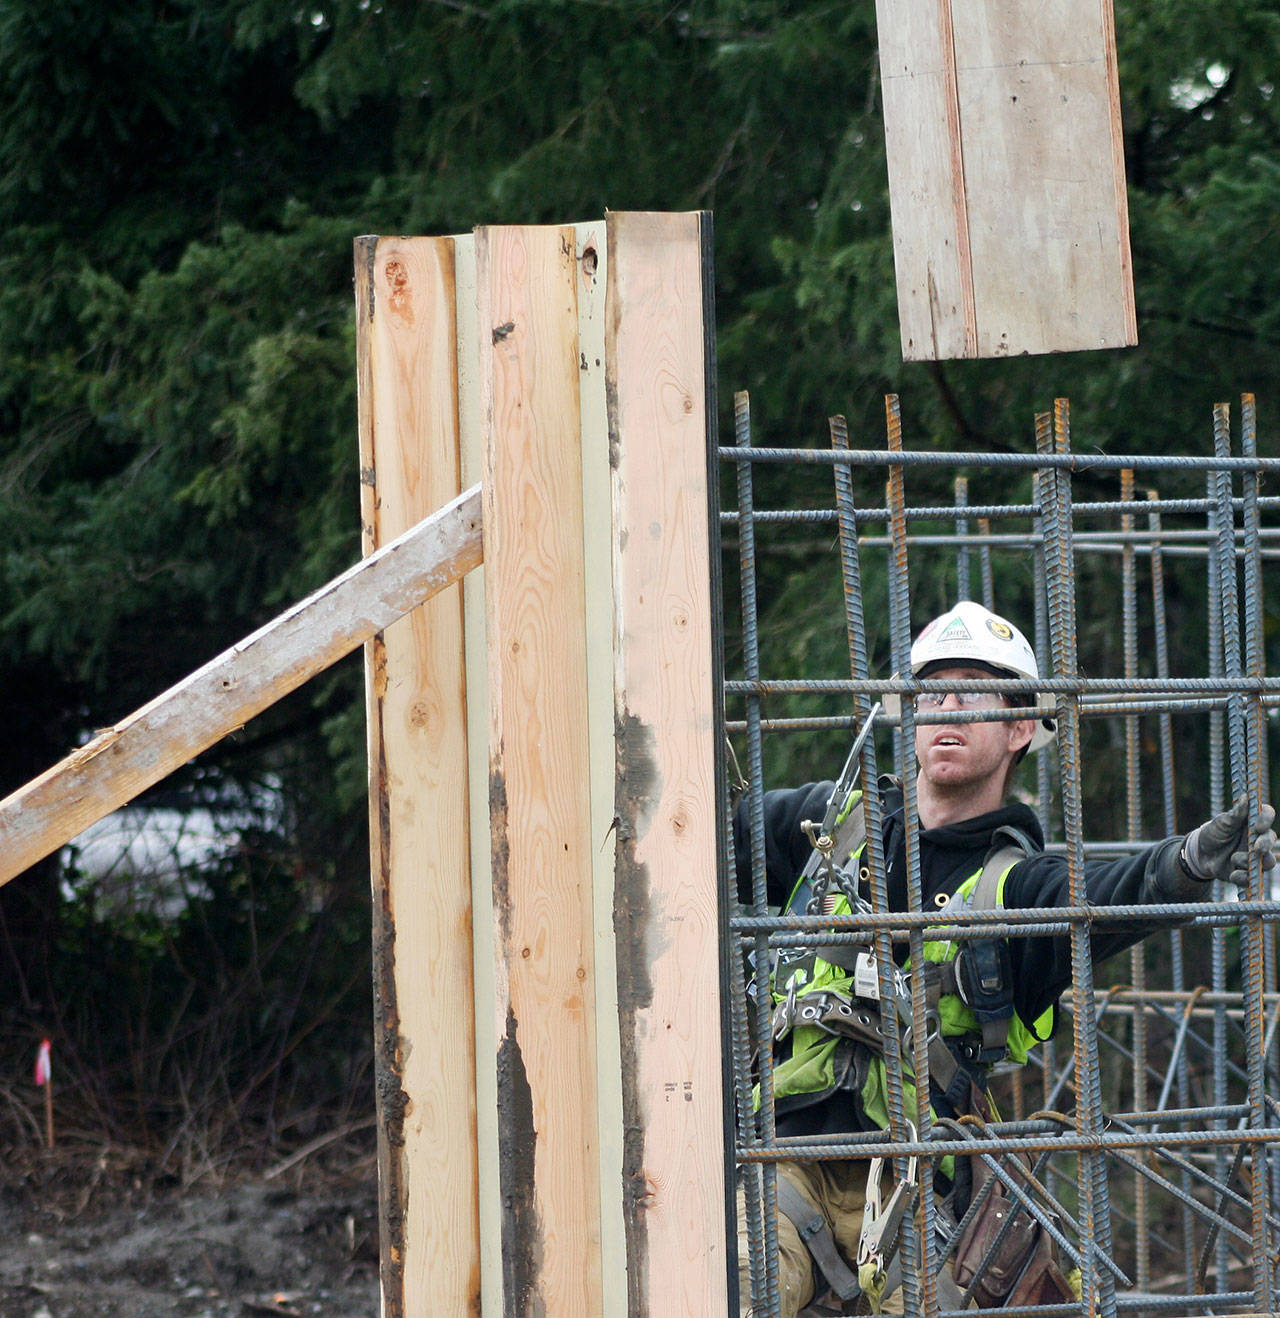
[[994, 998]]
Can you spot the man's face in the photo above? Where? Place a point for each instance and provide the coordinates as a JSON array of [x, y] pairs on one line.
[[961, 755]]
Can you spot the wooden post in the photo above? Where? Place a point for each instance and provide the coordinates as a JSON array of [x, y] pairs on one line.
[[419, 816], [600, 608], [1006, 177]]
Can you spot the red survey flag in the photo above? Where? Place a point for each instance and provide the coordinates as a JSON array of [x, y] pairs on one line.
[[44, 1070]]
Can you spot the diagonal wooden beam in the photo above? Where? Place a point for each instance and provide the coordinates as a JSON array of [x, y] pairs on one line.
[[227, 692]]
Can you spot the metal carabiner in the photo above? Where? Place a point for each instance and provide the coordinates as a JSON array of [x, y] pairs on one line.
[[882, 1217], [784, 1015], [932, 1029], [824, 844]]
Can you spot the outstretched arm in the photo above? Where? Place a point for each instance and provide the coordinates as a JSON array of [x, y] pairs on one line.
[[1175, 870]]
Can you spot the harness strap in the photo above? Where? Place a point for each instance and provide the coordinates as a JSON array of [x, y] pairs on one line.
[[835, 1013], [815, 1234], [995, 1033], [844, 955], [993, 868]]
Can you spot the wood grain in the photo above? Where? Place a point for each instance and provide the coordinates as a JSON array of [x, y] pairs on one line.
[[1005, 148], [592, 253], [665, 906], [539, 772], [926, 180], [419, 807]]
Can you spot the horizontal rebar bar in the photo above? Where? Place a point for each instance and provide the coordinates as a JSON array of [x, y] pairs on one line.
[[1091, 707], [1044, 686], [873, 1147], [1184, 997], [998, 922], [992, 511], [1072, 462], [1114, 541]]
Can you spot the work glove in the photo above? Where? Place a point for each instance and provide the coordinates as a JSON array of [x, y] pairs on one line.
[[1221, 848]]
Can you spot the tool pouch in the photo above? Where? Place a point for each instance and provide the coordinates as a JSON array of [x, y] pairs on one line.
[[1023, 1268], [996, 1271], [1042, 1281]]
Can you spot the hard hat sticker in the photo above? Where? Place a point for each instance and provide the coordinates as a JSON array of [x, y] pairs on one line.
[[955, 631], [999, 628]]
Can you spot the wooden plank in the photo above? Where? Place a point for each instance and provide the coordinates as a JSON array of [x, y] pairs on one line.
[[665, 908], [472, 443], [1002, 125], [539, 798], [419, 810], [227, 692]]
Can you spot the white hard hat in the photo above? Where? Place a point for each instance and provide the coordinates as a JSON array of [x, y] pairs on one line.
[[970, 634]]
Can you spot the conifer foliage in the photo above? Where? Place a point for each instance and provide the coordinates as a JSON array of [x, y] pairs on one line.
[[180, 182]]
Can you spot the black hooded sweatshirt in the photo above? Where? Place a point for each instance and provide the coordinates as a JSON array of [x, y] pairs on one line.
[[1041, 965]]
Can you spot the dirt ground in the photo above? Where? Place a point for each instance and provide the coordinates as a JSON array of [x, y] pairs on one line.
[[93, 1237]]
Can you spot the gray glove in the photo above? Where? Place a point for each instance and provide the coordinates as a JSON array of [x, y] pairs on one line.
[[1221, 848]]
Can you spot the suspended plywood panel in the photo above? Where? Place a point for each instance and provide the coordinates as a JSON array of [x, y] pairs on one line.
[[1006, 177]]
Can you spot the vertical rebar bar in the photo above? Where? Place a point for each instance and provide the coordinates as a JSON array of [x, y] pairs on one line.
[[1255, 655], [1044, 663], [1098, 1283], [984, 564], [1255, 784], [963, 580], [1133, 825], [1223, 608], [1042, 492], [1229, 601], [1217, 797], [762, 1213], [919, 1292], [873, 856], [1168, 796]]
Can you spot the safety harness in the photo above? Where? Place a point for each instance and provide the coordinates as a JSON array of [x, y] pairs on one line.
[[979, 975]]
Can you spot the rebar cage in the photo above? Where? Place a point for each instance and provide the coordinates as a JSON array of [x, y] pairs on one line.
[[1149, 1116]]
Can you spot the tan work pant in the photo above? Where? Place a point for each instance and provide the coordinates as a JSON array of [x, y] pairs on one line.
[[838, 1189]]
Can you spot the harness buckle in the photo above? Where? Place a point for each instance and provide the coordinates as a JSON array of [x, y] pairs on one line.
[[932, 1030]]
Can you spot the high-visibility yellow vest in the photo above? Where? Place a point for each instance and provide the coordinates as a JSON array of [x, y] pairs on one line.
[[818, 1063]]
